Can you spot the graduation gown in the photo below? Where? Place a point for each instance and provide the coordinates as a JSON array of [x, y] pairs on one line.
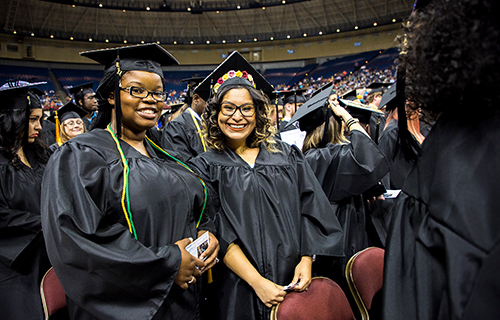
[[377, 123], [181, 137], [105, 272], [23, 260], [345, 171], [395, 179], [276, 212], [443, 252]]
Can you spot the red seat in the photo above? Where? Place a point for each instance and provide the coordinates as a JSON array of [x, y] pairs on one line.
[[53, 297], [365, 276], [324, 299]]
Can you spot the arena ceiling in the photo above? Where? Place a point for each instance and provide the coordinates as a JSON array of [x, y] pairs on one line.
[[195, 21]]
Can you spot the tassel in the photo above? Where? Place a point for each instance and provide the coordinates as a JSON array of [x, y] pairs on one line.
[[210, 278], [58, 130]]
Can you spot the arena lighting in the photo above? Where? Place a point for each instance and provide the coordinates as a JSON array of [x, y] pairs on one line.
[[272, 38], [175, 42], [124, 41], [356, 27], [254, 39], [124, 10], [238, 7], [263, 8], [320, 33], [191, 42], [239, 40], [375, 24], [393, 20], [288, 36], [14, 32], [106, 40], [208, 42], [189, 9], [32, 34], [158, 42], [100, 5], [284, 2], [223, 41], [165, 6], [142, 41], [71, 38], [90, 39], [148, 8], [52, 36], [338, 30], [305, 34]]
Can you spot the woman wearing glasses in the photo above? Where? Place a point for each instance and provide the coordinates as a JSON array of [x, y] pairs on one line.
[[69, 124], [274, 216], [125, 210]]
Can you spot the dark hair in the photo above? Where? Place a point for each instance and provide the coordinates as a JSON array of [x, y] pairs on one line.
[[452, 56], [263, 132], [14, 130]]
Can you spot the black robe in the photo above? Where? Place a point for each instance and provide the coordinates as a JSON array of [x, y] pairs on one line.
[[276, 212], [443, 254], [377, 123], [345, 172], [181, 137], [22, 250], [105, 272]]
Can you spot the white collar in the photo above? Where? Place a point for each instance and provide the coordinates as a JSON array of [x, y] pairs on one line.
[[195, 114]]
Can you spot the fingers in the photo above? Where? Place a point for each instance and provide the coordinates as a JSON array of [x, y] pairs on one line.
[[184, 242]]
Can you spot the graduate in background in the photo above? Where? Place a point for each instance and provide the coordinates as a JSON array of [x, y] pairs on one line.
[[345, 169], [69, 124], [443, 251], [292, 101], [23, 259], [124, 209], [86, 99], [182, 136], [274, 216]]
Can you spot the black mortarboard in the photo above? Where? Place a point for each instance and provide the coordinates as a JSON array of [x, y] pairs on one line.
[[314, 112], [378, 87], [86, 88], [351, 95], [175, 107], [15, 95], [387, 97], [358, 110], [68, 111], [142, 57], [191, 85], [234, 70], [294, 96], [325, 87]]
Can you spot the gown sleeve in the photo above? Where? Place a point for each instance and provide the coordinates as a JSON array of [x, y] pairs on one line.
[[321, 232], [20, 229], [102, 268], [350, 169], [175, 139]]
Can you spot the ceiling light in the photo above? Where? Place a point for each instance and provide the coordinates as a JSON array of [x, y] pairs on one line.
[[393, 20], [142, 41], [148, 8], [106, 40], [124, 10], [305, 34], [158, 42], [217, 11], [100, 5], [73, 6], [283, 1], [238, 7], [254, 39], [90, 39], [338, 30], [288, 36], [71, 38], [189, 9], [272, 38], [263, 8], [175, 42], [52, 36], [320, 33], [356, 27], [191, 42], [208, 42], [14, 32], [32, 34], [124, 41], [375, 24], [239, 40], [223, 41]]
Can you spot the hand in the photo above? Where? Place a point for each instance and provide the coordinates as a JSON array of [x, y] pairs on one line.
[[211, 253], [187, 271], [303, 273], [269, 292], [340, 111]]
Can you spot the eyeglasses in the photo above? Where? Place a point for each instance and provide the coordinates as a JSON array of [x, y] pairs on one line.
[[228, 109], [73, 123], [142, 93]]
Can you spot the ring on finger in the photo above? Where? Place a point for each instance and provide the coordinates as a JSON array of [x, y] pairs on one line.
[[191, 281]]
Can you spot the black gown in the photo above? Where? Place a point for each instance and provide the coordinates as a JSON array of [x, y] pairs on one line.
[[443, 254], [23, 257], [105, 272], [345, 171], [276, 212], [181, 137], [377, 123]]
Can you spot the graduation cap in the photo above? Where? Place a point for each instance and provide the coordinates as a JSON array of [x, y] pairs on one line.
[[387, 97], [85, 88], [68, 111], [191, 85], [143, 57], [314, 112], [378, 87], [15, 95], [351, 95], [325, 87], [358, 110], [294, 96], [175, 107], [234, 70]]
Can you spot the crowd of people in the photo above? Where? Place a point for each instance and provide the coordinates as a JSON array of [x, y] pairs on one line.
[[116, 203]]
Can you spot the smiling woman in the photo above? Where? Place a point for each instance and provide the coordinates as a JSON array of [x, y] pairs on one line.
[[123, 253]]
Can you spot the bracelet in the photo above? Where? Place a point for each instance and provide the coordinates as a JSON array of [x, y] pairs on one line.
[[350, 122]]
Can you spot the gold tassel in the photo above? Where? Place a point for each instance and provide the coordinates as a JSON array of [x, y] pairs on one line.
[[58, 130], [210, 279]]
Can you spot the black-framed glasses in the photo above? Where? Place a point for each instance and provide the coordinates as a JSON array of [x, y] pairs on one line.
[[138, 92], [246, 109]]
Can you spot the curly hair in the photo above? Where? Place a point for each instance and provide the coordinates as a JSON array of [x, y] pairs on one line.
[[263, 132], [451, 56], [14, 135]]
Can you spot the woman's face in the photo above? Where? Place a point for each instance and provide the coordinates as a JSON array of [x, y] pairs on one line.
[[236, 127], [34, 125], [140, 114], [73, 127]]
